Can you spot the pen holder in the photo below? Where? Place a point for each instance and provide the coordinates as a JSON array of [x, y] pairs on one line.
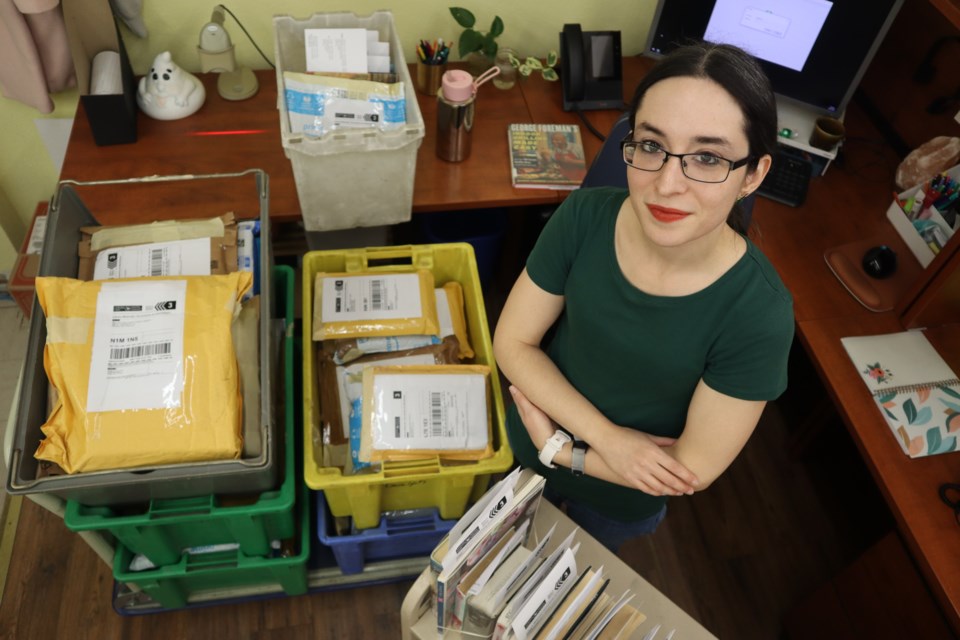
[[428, 77]]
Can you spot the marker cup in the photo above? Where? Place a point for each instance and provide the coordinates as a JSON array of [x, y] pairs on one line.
[[429, 76]]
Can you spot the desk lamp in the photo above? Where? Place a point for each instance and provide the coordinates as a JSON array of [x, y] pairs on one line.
[[216, 54]]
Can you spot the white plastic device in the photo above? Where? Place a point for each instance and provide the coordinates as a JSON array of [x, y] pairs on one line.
[[216, 55]]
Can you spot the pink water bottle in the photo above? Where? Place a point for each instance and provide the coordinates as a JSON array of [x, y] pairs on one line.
[[456, 104]]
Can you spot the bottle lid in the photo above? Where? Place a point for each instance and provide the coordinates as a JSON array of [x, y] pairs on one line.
[[457, 85]]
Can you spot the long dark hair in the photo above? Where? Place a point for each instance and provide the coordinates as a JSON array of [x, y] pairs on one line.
[[741, 76]]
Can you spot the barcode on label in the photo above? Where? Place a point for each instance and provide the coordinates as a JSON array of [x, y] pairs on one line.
[[376, 294], [156, 262], [396, 426], [436, 414], [140, 351]]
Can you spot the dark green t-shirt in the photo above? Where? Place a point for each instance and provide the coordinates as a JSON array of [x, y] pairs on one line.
[[638, 357]]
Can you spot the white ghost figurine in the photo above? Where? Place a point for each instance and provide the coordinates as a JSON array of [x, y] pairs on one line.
[[168, 92]]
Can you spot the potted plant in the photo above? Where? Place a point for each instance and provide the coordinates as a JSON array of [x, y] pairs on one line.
[[474, 43]]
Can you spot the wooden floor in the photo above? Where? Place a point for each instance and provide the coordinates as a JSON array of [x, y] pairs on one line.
[[736, 557]]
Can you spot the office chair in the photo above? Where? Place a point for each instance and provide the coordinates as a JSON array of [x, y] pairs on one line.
[[609, 170]]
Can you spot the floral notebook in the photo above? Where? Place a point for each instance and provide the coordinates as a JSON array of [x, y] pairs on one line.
[[916, 391]]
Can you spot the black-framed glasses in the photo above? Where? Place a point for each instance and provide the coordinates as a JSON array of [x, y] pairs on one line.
[[950, 494], [701, 167]]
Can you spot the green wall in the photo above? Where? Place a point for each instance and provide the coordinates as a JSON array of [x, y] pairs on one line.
[[27, 175]]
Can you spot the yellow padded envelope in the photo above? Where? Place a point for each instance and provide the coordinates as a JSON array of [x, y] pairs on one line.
[[145, 370]]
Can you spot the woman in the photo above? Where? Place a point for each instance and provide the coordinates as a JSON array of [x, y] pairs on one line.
[[672, 329]]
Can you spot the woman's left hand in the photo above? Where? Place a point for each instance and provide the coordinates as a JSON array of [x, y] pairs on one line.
[[538, 424]]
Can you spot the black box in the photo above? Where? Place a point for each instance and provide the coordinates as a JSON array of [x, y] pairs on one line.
[[92, 28]]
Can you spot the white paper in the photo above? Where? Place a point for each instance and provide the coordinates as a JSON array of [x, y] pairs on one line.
[[521, 570], [177, 258], [436, 411], [378, 64], [336, 50], [573, 607], [500, 494], [895, 360], [380, 297], [537, 608], [608, 616], [515, 540], [106, 77], [137, 359], [377, 48]]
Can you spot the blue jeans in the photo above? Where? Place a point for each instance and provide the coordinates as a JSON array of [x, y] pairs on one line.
[[609, 532]]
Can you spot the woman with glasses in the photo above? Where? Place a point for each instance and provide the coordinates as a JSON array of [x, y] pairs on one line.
[[670, 329]]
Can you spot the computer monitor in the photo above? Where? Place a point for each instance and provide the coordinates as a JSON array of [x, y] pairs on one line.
[[814, 51]]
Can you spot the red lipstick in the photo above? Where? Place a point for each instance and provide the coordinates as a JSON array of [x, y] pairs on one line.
[[665, 214]]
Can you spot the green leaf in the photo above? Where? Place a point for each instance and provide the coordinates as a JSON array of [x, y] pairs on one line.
[[950, 392], [534, 63], [525, 70], [489, 46], [910, 410], [951, 405], [514, 60], [463, 17], [887, 397], [496, 27], [551, 75], [470, 41], [950, 444], [933, 440], [923, 416], [551, 61]]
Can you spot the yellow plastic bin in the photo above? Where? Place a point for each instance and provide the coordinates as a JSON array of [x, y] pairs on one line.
[[412, 484]]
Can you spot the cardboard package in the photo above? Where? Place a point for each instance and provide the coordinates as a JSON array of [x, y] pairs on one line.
[[145, 371], [221, 231], [27, 264]]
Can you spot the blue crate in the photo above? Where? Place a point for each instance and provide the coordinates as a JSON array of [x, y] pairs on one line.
[[395, 537]]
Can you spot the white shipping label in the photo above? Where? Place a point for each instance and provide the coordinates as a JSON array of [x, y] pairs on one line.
[[137, 359], [437, 411], [178, 258], [380, 297], [245, 246], [35, 245]]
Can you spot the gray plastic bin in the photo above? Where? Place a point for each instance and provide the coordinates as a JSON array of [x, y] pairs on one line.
[[256, 473], [353, 178]]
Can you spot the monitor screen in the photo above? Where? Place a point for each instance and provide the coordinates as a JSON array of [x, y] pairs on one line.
[[814, 51]]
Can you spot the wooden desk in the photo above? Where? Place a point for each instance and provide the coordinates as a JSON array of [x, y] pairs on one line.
[[845, 205], [225, 136]]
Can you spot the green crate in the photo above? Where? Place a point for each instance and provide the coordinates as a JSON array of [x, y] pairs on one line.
[[162, 528], [172, 586]]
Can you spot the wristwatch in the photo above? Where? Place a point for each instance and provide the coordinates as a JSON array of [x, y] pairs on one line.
[[552, 446], [579, 457]]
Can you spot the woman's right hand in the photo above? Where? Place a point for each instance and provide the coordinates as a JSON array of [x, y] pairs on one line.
[[642, 461]]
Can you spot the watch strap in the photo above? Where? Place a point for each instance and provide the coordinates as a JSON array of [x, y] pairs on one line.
[[579, 457], [552, 446]]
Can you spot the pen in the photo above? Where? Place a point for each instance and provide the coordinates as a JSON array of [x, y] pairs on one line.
[[896, 198]]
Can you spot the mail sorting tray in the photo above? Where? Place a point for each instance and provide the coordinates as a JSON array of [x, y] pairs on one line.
[[160, 529], [198, 197], [399, 535], [410, 484]]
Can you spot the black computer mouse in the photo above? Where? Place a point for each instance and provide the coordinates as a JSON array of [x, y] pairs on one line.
[[880, 262]]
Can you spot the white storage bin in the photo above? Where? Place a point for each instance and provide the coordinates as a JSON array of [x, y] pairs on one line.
[[908, 232], [349, 178]]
